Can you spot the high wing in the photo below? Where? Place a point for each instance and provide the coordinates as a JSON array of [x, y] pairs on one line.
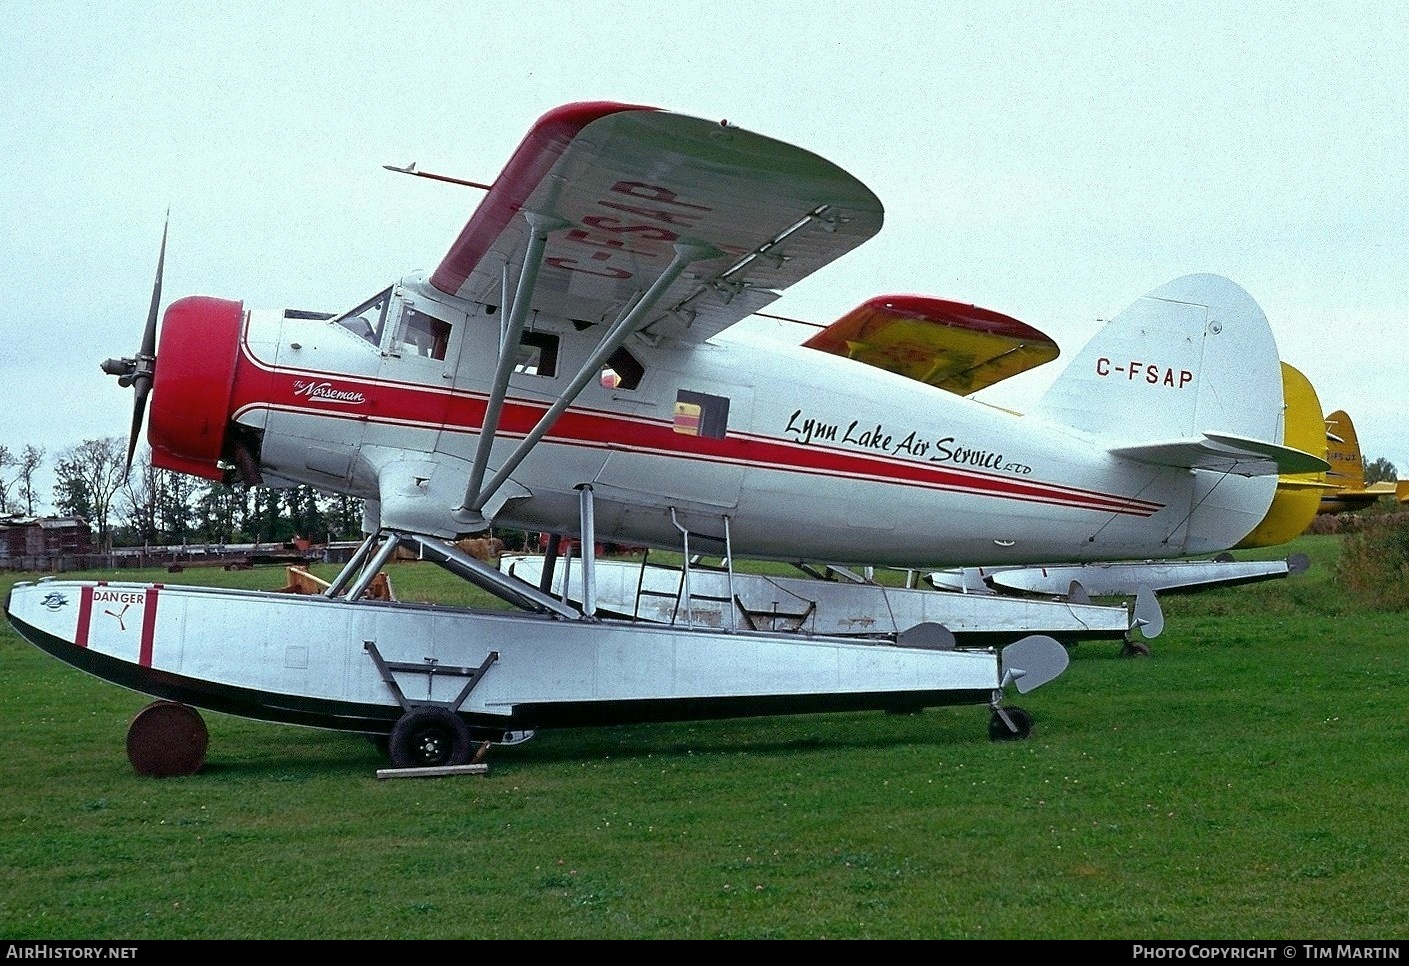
[[616, 190], [953, 346]]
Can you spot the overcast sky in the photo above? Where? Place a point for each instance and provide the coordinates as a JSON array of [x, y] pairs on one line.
[[1050, 161]]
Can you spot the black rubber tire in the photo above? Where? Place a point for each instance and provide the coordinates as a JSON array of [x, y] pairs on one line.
[[998, 729], [1135, 649], [429, 738]]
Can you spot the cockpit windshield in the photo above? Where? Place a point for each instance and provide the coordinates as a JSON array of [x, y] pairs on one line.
[[368, 319]]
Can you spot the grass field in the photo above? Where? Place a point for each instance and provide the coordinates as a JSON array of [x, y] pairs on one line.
[[1247, 781]]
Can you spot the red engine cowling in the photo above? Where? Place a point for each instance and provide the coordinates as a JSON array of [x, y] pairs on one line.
[[193, 385]]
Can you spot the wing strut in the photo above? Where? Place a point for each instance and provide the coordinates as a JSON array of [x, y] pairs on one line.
[[621, 330], [509, 342]]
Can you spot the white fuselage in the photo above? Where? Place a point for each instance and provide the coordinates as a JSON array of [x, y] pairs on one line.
[[807, 455]]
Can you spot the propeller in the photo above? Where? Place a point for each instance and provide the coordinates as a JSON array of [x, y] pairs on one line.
[[138, 372]]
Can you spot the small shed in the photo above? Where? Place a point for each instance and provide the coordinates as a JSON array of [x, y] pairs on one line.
[[26, 536]]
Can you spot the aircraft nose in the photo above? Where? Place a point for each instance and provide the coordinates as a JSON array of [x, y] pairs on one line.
[[193, 386]]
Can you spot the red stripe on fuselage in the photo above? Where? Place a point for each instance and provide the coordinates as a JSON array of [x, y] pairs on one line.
[[407, 404]]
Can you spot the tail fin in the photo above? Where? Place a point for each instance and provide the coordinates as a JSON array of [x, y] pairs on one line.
[[1347, 462], [1193, 357], [1298, 495]]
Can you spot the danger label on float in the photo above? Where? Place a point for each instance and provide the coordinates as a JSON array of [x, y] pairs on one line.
[[118, 621]]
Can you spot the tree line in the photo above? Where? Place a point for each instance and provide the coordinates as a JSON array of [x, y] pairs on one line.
[[149, 506], [154, 507], [18, 479], [1379, 470]]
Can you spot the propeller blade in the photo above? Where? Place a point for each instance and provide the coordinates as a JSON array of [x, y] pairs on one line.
[[149, 334], [141, 378], [141, 386]]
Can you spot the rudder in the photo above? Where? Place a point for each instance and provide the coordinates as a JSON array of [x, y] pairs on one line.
[[1194, 356], [1347, 463]]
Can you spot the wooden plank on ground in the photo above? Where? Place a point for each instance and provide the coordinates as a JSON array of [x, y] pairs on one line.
[[439, 771]]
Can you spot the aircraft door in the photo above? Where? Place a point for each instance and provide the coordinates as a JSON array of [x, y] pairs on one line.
[[692, 466], [420, 348]]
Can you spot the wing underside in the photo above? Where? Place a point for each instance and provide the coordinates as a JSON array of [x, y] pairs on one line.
[[619, 190]]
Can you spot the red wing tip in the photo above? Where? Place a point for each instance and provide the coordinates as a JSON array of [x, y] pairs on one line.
[[579, 114], [541, 147]]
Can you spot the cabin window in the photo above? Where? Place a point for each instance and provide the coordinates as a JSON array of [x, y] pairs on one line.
[[701, 414], [538, 355], [622, 371], [368, 319], [425, 335]]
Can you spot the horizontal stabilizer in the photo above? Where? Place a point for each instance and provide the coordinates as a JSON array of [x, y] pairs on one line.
[[1301, 485], [1225, 453]]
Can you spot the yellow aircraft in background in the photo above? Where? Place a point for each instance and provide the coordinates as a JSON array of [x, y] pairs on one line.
[[1349, 491], [1298, 498]]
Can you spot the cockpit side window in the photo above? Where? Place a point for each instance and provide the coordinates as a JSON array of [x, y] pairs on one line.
[[424, 335], [622, 371], [368, 319]]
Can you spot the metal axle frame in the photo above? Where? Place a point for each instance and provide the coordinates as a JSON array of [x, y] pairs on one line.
[[430, 668]]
